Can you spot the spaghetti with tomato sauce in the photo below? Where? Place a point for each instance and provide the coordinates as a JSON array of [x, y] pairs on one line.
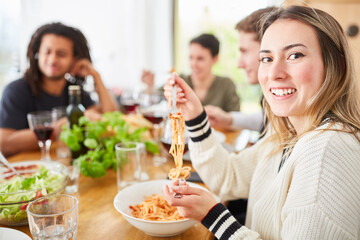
[[177, 147], [156, 208]]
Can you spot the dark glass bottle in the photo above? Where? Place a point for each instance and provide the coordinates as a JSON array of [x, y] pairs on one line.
[[74, 111]]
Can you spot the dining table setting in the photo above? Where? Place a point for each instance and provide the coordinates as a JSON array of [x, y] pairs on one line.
[[97, 199]]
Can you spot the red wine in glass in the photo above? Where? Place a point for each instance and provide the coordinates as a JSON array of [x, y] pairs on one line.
[[167, 145], [43, 133], [154, 117], [41, 123], [129, 106]]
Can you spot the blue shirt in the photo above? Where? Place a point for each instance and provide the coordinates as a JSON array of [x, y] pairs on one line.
[[18, 100]]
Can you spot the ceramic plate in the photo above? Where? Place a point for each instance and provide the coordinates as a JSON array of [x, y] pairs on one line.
[[12, 234]]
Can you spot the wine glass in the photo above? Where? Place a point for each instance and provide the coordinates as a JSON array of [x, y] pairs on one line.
[[129, 102], [166, 137], [42, 123], [154, 108]]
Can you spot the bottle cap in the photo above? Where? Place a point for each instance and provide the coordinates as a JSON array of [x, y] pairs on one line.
[[74, 89]]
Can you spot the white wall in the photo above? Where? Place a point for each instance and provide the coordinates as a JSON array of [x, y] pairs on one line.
[[124, 36]]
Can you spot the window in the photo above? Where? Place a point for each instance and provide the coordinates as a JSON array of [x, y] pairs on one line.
[[9, 38]]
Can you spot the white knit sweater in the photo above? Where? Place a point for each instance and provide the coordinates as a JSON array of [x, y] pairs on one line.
[[316, 194]]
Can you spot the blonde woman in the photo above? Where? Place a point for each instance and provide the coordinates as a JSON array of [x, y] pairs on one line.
[[303, 178]]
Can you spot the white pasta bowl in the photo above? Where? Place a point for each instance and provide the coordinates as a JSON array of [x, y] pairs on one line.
[[136, 194]]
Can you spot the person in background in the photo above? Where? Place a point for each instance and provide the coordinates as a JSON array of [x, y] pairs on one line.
[[211, 89], [302, 178], [249, 45], [54, 50]]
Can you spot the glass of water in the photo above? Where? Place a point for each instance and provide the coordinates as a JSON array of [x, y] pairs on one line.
[[62, 151], [131, 163], [74, 174], [53, 217]]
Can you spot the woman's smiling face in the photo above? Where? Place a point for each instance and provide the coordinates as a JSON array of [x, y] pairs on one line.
[[291, 70]]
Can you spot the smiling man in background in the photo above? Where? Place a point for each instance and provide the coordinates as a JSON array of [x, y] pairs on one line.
[[249, 46], [54, 50]]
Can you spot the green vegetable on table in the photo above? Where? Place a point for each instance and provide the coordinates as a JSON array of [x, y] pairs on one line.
[[100, 138], [16, 190]]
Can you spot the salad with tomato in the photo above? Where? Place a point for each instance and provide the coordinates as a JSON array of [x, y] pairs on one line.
[[17, 192]]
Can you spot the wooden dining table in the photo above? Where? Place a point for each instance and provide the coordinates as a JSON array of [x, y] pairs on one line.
[[98, 218]]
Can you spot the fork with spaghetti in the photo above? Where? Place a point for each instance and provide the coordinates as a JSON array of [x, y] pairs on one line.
[[177, 143]]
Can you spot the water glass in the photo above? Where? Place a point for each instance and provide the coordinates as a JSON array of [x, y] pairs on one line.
[[62, 151], [131, 163], [53, 217], [74, 174]]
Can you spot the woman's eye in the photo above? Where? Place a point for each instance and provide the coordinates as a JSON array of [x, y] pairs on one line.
[[294, 56], [265, 59], [62, 54]]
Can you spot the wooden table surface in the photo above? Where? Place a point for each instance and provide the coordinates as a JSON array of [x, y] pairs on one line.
[[98, 218]]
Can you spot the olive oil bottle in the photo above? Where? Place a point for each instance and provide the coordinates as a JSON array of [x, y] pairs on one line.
[[74, 111]]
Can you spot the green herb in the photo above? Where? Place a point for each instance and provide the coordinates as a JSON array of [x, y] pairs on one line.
[[100, 137]]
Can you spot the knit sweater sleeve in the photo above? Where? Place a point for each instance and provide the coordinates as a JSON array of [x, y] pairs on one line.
[[216, 166], [224, 226]]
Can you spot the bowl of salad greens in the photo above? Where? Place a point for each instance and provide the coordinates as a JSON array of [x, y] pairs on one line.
[[37, 179]]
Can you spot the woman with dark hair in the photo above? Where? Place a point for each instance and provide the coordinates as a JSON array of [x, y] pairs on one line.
[[302, 178], [211, 89], [54, 50]]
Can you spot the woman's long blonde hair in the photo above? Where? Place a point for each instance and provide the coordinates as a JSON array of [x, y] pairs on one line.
[[339, 95]]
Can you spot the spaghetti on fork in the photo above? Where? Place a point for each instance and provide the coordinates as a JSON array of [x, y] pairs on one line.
[[177, 147]]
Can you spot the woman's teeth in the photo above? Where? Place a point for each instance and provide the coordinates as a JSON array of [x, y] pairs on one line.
[[282, 92]]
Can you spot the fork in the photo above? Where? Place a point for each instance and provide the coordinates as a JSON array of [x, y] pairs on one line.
[[179, 195], [173, 109], [7, 164]]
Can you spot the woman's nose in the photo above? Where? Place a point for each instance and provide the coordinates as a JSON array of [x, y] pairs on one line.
[[277, 70]]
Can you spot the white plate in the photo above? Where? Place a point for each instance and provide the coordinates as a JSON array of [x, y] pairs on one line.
[[12, 234], [135, 194]]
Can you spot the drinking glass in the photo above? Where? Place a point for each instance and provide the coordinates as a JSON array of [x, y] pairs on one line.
[[129, 102], [131, 163], [53, 217], [62, 151], [166, 137], [74, 174], [154, 108], [42, 123]]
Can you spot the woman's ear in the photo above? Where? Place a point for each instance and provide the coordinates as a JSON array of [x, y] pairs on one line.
[[216, 58]]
